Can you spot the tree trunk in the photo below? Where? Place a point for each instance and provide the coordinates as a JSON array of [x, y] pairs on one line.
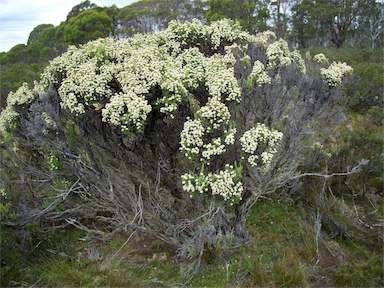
[[242, 211]]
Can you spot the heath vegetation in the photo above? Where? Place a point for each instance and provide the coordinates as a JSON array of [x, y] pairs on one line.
[[201, 155]]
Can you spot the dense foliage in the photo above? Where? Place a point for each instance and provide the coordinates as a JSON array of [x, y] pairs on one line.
[[88, 25]]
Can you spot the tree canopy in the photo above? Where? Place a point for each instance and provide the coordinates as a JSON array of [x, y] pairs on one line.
[[333, 20], [17, 54], [77, 9], [34, 35], [252, 14], [88, 25]]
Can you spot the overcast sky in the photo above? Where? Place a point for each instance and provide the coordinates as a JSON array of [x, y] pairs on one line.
[[19, 17]]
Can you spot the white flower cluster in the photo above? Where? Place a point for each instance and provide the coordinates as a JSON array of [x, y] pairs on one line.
[[3, 193], [266, 158], [258, 74], [279, 56], [317, 146], [224, 30], [22, 96], [263, 39], [195, 184], [143, 69], [334, 74], [89, 81], [295, 55], [321, 59], [236, 48], [214, 148], [54, 163], [259, 135], [127, 110], [259, 138], [220, 79], [192, 137], [49, 123], [7, 117], [214, 114], [246, 61], [179, 35], [225, 183], [73, 58], [213, 117], [229, 136], [193, 68], [38, 88]]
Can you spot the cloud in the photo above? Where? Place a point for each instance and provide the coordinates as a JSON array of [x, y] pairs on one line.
[[19, 17]]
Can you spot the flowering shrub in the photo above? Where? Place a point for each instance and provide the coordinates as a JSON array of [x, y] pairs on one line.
[[279, 55], [334, 74], [116, 76], [258, 74], [54, 163], [50, 124], [126, 80], [214, 114], [7, 117], [22, 96], [199, 93], [265, 38], [191, 137], [260, 144], [321, 59], [225, 183]]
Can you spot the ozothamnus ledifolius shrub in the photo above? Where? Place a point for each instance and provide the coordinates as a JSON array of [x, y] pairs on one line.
[[118, 78]]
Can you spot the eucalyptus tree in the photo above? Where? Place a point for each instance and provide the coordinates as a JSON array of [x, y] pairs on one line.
[[34, 35], [252, 14], [17, 54], [280, 11], [181, 10], [148, 16], [371, 24], [88, 25], [333, 20], [77, 9]]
